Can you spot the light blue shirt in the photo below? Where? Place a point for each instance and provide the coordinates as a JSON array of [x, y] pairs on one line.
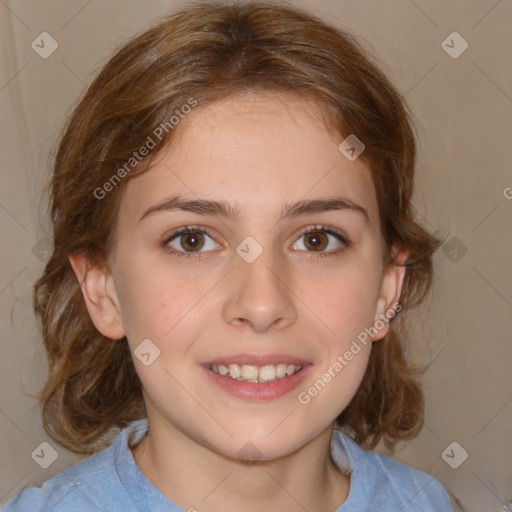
[[111, 481]]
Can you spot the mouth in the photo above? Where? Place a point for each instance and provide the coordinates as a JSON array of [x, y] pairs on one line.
[[257, 377], [251, 373]]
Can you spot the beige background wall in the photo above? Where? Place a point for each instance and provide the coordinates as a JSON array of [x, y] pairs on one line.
[[464, 115]]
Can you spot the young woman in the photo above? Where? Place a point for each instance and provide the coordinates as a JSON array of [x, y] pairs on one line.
[[234, 253]]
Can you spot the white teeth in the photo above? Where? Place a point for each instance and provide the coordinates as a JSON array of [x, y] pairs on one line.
[[234, 371], [281, 370], [268, 372], [250, 373]]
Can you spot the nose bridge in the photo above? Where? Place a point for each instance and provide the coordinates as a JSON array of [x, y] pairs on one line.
[[259, 293]]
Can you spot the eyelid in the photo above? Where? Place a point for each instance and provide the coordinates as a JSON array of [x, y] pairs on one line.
[[326, 228], [168, 237], [330, 230]]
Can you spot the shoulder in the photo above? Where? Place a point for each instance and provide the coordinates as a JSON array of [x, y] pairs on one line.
[[391, 484], [85, 487], [412, 488], [65, 491], [89, 486]]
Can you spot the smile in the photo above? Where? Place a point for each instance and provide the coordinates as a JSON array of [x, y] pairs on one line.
[[251, 373]]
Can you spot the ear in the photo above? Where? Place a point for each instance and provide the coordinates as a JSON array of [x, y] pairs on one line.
[[100, 295], [390, 290]]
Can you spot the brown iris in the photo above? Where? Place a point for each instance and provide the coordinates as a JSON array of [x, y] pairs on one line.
[[316, 241], [192, 241]]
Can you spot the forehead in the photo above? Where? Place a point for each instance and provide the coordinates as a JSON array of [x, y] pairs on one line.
[[256, 151]]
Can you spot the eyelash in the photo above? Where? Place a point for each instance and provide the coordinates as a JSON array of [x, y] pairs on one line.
[[183, 231], [329, 230]]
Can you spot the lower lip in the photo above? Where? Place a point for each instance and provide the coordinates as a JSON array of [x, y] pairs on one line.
[[258, 391]]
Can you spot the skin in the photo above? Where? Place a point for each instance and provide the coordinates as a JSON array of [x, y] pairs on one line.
[[258, 152]]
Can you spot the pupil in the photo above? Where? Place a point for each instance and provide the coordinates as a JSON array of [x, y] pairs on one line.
[[192, 242], [316, 241]]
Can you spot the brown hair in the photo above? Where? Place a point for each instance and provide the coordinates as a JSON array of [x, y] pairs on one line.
[[208, 51]]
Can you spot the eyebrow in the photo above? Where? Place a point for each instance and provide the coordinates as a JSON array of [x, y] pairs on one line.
[[226, 210]]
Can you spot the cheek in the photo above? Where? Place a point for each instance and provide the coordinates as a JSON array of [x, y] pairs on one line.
[[337, 383], [344, 300], [155, 300]]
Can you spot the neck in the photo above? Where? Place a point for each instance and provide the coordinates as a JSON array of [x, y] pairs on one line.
[[194, 477]]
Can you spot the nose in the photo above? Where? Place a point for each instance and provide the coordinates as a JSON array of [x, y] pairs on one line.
[[260, 295]]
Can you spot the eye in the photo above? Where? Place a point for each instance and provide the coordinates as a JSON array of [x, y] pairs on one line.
[[321, 239], [190, 240]]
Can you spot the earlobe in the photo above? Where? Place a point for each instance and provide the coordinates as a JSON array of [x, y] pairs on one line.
[[391, 289], [100, 296]]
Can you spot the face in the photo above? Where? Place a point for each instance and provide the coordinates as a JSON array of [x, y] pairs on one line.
[[252, 247]]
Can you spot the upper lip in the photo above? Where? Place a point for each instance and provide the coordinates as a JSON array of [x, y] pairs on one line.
[[258, 360]]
